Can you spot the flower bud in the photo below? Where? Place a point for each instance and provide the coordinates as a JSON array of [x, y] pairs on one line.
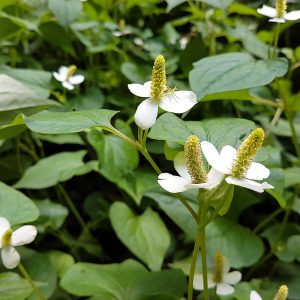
[[219, 267], [6, 238], [280, 8], [246, 152], [282, 293], [193, 159], [158, 79]]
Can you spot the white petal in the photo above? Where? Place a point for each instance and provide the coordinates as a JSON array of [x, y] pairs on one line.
[[140, 90], [59, 77], [257, 171], [178, 102], [254, 296], [63, 71], [180, 165], [10, 257], [173, 184], [68, 85], [205, 185], [23, 235], [146, 114], [4, 225], [198, 282], [212, 156], [267, 11], [224, 289], [277, 20], [267, 186], [246, 183], [215, 176], [76, 79], [227, 156], [293, 15], [232, 277]]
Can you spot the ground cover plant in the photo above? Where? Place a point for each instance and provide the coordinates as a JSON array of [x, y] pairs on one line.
[[150, 150]]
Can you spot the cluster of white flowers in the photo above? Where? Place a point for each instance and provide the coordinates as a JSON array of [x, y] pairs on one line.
[[66, 77], [173, 101], [221, 166], [225, 285], [10, 239]]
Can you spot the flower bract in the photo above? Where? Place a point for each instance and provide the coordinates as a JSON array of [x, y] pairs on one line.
[[255, 296], [272, 13], [224, 162], [172, 101], [184, 182], [67, 79], [10, 239]]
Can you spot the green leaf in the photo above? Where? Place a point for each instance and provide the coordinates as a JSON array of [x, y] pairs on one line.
[[14, 96], [36, 80], [53, 169], [15, 206], [218, 3], [220, 132], [69, 122], [126, 281], [175, 210], [134, 73], [277, 180], [291, 176], [233, 71], [13, 287], [51, 215], [65, 11], [40, 269], [92, 99], [61, 261], [8, 28], [293, 244], [278, 242], [145, 235], [137, 183], [116, 157], [12, 129], [239, 244]]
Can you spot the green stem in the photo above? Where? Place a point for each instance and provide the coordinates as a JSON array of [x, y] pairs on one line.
[[266, 220], [203, 214], [140, 136], [277, 32], [150, 160], [72, 207], [34, 287], [294, 134], [141, 146], [199, 243], [188, 207], [267, 102], [194, 262], [124, 137], [29, 151]]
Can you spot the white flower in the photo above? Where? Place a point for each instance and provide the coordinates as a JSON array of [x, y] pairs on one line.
[[9, 239], [64, 75], [178, 184], [272, 13], [224, 161], [255, 296], [173, 101], [225, 286]]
